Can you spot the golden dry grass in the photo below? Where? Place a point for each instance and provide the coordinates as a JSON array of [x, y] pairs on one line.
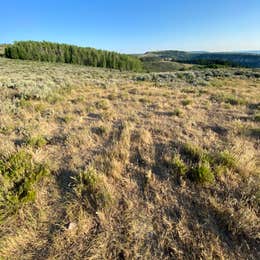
[[135, 135]]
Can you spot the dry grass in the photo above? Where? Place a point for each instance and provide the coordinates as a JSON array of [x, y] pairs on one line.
[[142, 167]]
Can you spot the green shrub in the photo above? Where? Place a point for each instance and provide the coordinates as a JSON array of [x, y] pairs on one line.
[[202, 173], [18, 177], [65, 119], [6, 130], [220, 170], [228, 99], [102, 104], [175, 112], [257, 117], [54, 98], [180, 75], [24, 103], [144, 100], [178, 165], [92, 189], [188, 90], [186, 102], [36, 141], [254, 132], [232, 100], [217, 98]]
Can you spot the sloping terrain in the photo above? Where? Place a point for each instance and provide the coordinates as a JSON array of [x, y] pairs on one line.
[[164, 66], [98, 164], [251, 60]]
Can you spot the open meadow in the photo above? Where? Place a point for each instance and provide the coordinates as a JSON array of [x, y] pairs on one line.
[[102, 164]]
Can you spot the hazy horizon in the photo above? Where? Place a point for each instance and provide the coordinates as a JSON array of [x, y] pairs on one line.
[[151, 50]]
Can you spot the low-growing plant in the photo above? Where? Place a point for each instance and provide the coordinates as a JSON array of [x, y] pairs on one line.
[[193, 152], [228, 99], [216, 83], [40, 107], [66, 119], [232, 100], [112, 96], [36, 141], [102, 104], [6, 130], [92, 189], [227, 159], [100, 130], [178, 165], [254, 132], [144, 100], [202, 173], [186, 102], [180, 75], [257, 117], [24, 103], [54, 98], [220, 170], [175, 112], [18, 177], [188, 90]]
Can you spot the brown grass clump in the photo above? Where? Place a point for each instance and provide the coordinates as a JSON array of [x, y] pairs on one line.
[[92, 189]]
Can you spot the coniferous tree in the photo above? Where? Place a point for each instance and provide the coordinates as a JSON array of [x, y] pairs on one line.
[[54, 52]]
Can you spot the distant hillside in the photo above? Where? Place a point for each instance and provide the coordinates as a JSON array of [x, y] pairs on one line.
[[252, 52], [250, 60], [164, 66], [177, 55]]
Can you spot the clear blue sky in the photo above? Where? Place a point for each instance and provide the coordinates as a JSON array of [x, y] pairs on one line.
[[135, 26]]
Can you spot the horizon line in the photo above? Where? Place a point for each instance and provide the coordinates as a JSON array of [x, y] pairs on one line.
[[147, 51]]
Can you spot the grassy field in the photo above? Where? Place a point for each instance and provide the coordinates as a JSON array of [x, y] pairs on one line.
[[98, 164], [165, 66]]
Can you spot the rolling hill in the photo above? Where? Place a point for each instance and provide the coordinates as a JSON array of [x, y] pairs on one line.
[[251, 60]]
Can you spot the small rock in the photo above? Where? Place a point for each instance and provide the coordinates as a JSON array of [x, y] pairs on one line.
[[71, 226]]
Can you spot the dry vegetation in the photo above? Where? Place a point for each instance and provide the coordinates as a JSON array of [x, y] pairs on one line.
[[97, 164]]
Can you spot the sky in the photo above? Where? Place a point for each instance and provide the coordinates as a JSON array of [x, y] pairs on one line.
[[135, 26]]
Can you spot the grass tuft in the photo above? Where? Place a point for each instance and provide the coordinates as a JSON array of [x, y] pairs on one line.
[[193, 152], [202, 173], [227, 159], [254, 132], [186, 102], [102, 104], [92, 189], [178, 165], [175, 112], [257, 117], [36, 141], [228, 99]]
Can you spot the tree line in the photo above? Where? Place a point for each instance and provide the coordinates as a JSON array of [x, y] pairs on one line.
[[55, 52]]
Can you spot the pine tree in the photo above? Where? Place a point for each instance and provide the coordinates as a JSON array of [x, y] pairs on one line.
[[54, 52]]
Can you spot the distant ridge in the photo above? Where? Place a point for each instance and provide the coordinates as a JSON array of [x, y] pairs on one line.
[[253, 52], [250, 59]]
